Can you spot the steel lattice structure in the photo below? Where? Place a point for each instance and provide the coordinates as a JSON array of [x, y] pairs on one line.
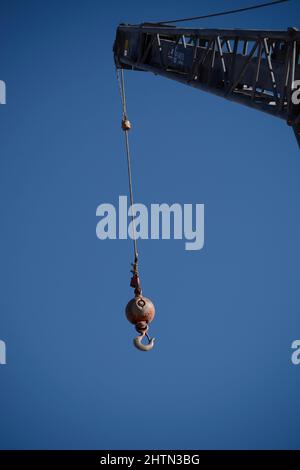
[[253, 67]]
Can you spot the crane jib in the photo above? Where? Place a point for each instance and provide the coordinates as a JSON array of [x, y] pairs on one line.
[[256, 68]]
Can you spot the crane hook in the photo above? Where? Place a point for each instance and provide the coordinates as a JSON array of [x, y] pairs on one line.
[[143, 347], [140, 312]]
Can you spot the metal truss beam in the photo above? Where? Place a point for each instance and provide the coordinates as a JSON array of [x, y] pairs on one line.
[[252, 67]]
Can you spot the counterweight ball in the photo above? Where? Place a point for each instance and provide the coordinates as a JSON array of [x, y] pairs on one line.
[[140, 311]]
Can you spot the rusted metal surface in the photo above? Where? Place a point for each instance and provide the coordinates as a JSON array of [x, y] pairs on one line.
[[126, 125], [140, 309]]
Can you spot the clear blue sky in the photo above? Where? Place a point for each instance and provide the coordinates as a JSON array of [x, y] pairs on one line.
[[220, 375]]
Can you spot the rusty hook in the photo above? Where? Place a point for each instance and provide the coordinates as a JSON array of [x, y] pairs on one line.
[[143, 347]]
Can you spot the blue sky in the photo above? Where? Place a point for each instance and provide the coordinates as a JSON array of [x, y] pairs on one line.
[[220, 375]]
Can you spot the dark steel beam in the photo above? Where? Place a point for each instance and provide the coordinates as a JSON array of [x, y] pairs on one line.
[[257, 68]]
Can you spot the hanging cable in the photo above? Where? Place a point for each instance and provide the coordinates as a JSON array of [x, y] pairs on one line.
[[226, 12], [140, 310], [126, 126]]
